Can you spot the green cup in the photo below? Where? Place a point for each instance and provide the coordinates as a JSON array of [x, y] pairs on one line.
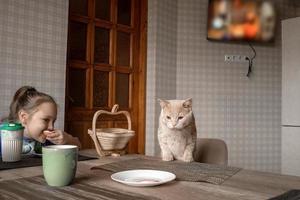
[[59, 164]]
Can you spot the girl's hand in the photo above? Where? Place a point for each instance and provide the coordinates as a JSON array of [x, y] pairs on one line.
[[56, 136], [61, 137]]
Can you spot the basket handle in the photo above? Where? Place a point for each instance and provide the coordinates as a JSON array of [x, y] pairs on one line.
[[113, 112]]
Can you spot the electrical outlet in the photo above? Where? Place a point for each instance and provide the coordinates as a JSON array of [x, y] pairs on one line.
[[228, 58], [235, 58]]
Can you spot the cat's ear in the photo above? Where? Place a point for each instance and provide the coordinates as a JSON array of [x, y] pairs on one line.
[[187, 103], [163, 103]]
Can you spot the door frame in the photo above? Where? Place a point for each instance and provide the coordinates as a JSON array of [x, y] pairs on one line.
[[142, 77]]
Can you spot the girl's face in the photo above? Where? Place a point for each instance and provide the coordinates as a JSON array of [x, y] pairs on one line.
[[40, 120]]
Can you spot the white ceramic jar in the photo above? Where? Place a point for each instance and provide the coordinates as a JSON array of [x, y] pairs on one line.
[[11, 141]]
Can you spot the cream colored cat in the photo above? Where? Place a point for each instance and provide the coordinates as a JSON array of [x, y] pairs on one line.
[[177, 130]]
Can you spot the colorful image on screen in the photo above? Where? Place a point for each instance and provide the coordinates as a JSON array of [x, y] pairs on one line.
[[239, 20]]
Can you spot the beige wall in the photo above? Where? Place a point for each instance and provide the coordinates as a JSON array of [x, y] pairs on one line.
[[245, 112], [33, 42], [161, 64]]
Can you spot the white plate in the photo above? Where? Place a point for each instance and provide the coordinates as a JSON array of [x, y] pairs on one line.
[[142, 177]]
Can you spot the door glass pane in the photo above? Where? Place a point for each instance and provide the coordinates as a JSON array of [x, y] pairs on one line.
[[101, 45], [102, 9], [122, 89], [77, 40], [77, 87], [123, 48], [101, 83], [78, 7], [124, 12]]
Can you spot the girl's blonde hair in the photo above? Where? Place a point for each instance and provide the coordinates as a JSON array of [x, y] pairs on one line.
[[27, 98]]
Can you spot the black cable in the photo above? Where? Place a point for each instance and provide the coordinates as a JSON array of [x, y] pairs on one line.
[[250, 60], [253, 51], [249, 66]]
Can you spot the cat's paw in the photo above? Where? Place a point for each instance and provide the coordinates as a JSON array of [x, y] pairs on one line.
[[188, 157], [167, 157]]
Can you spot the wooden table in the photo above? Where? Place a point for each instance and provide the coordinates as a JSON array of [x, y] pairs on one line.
[[245, 184]]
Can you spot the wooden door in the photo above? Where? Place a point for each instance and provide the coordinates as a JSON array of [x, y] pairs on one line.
[[106, 66]]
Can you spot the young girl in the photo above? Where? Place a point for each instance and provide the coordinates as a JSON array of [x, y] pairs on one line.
[[37, 111]]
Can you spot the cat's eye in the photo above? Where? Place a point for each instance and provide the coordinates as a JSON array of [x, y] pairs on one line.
[[180, 117], [168, 117]]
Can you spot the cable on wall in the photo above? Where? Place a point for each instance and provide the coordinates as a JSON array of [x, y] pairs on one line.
[[250, 60]]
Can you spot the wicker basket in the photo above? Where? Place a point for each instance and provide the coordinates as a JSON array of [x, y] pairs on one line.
[[110, 141]]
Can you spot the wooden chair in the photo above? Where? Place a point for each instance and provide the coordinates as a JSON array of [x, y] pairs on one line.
[[210, 150]]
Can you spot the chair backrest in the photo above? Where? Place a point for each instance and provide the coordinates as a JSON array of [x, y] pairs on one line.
[[211, 150]]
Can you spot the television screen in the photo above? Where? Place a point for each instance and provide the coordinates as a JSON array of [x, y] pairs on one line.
[[238, 20]]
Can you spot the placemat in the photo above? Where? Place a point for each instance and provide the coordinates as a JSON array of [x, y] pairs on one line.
[[31, 161], [289, 195], [194, 171], [36, 188]]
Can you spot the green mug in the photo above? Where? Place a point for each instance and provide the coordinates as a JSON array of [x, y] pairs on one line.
[[59, 164]]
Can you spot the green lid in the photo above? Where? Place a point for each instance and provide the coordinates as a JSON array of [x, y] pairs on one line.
[[11, 126]]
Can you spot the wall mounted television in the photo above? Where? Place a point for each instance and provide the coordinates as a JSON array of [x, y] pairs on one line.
[[241, 20]]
